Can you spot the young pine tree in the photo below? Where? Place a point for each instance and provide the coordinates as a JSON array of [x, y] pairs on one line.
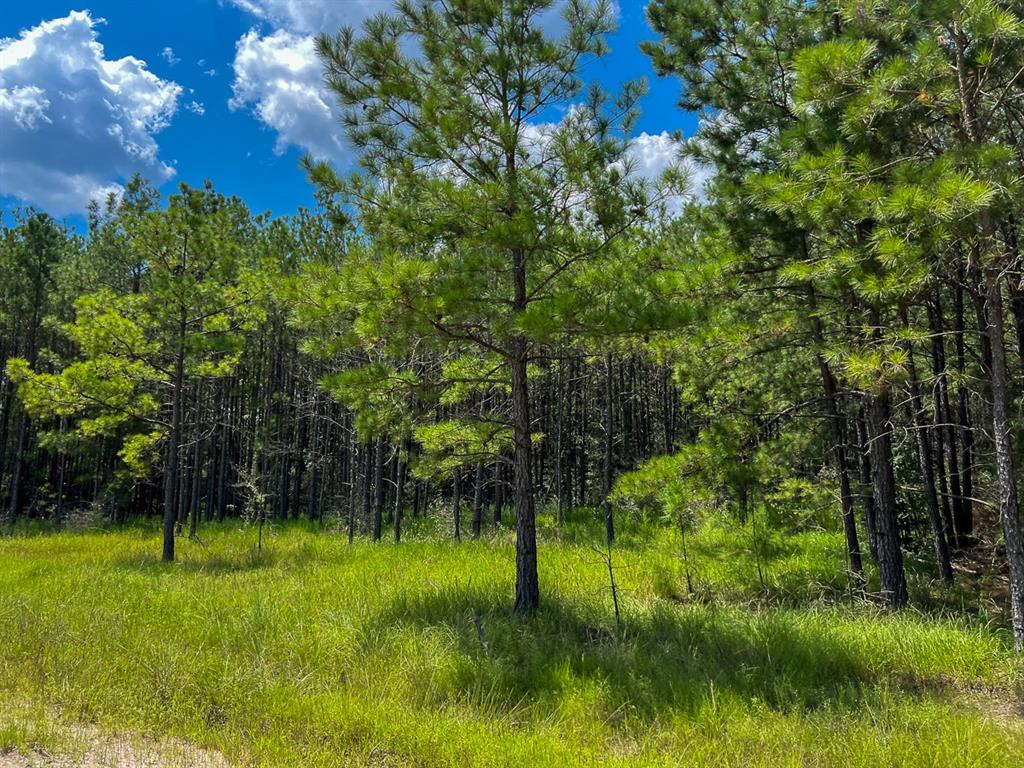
[[481, 211]]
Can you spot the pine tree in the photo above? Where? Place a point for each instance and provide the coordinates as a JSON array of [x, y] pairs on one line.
[[141, 355], [481, 214]]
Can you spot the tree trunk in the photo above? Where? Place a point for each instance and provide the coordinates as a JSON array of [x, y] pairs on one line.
[[527, 582], [964, 523], [944, 417], [403, 470], [457, 504], [866, 484], [609, 518], [62, 465], [193, 525], [378, 490], [16, 466], [478, 499], [1009, 509], [173, 449], [1015, 284], [367, 484], [837, 427], [499, 489], [299, 460], [559, 430], [924, 456], [890, 555]]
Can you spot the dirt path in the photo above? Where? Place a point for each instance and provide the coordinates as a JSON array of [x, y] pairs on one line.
[[95, 750]]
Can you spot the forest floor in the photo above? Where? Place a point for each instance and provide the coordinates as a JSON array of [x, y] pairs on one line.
[[313, 652]]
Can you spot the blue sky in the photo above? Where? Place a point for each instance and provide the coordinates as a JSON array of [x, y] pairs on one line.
[[225, 90]]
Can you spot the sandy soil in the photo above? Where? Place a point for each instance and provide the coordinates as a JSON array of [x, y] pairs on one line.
[[95, 750]]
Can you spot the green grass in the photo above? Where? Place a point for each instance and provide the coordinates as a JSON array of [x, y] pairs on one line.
[[321, 654]]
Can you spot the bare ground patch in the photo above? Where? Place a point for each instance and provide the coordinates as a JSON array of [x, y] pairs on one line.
[[89, 748]]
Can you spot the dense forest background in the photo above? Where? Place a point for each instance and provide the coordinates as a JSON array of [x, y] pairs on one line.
[[496, 316]]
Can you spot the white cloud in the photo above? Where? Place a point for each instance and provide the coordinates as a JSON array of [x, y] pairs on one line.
[[312, 16], [72, 122], [196, 108], [279, 77], [648, 155], [168, 53], [654, 153], [27, 104]]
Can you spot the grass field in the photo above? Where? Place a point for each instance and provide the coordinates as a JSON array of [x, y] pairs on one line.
[[316, 653]]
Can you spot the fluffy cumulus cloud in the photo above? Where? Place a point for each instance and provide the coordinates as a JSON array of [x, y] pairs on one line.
[[651, 154], [312, 16], [278, 77], [72, 122]]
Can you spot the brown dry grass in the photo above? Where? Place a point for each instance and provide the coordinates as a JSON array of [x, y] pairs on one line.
[[90, 748]]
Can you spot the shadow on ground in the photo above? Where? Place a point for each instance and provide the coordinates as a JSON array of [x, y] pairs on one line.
[[674, 658]]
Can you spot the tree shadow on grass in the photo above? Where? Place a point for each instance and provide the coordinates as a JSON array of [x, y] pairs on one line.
[[672, 659], [212, 563]]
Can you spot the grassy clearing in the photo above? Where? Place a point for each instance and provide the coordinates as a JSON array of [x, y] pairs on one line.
[[316, 653]]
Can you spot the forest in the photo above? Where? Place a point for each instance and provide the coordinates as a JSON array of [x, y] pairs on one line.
[[525, 442]]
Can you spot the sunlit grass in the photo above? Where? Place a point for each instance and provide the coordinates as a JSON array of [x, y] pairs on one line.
[[313, 652]]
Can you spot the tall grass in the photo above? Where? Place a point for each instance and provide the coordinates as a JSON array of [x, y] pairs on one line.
[[313, 652]]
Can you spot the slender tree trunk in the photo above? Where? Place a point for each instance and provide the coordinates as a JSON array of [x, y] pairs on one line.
[[686, 557], [193, 525], [352, 494], [837, 426], [183, 485], [62, 464], [216, 446], [1009, 509], [1015, 283], [499, 489], [222, 474], [378, 490], [582, 454], [1017, 303], [16, 466], [312, 507], [299, 460], [866, 484], [559, 429], [25, 422], [403, 469], [609, 518], [964, 523], [478, 500], [527, 582], [944, 418], [6, 405], [457, 504], [924, 456], [367, 484], [171, 473]]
